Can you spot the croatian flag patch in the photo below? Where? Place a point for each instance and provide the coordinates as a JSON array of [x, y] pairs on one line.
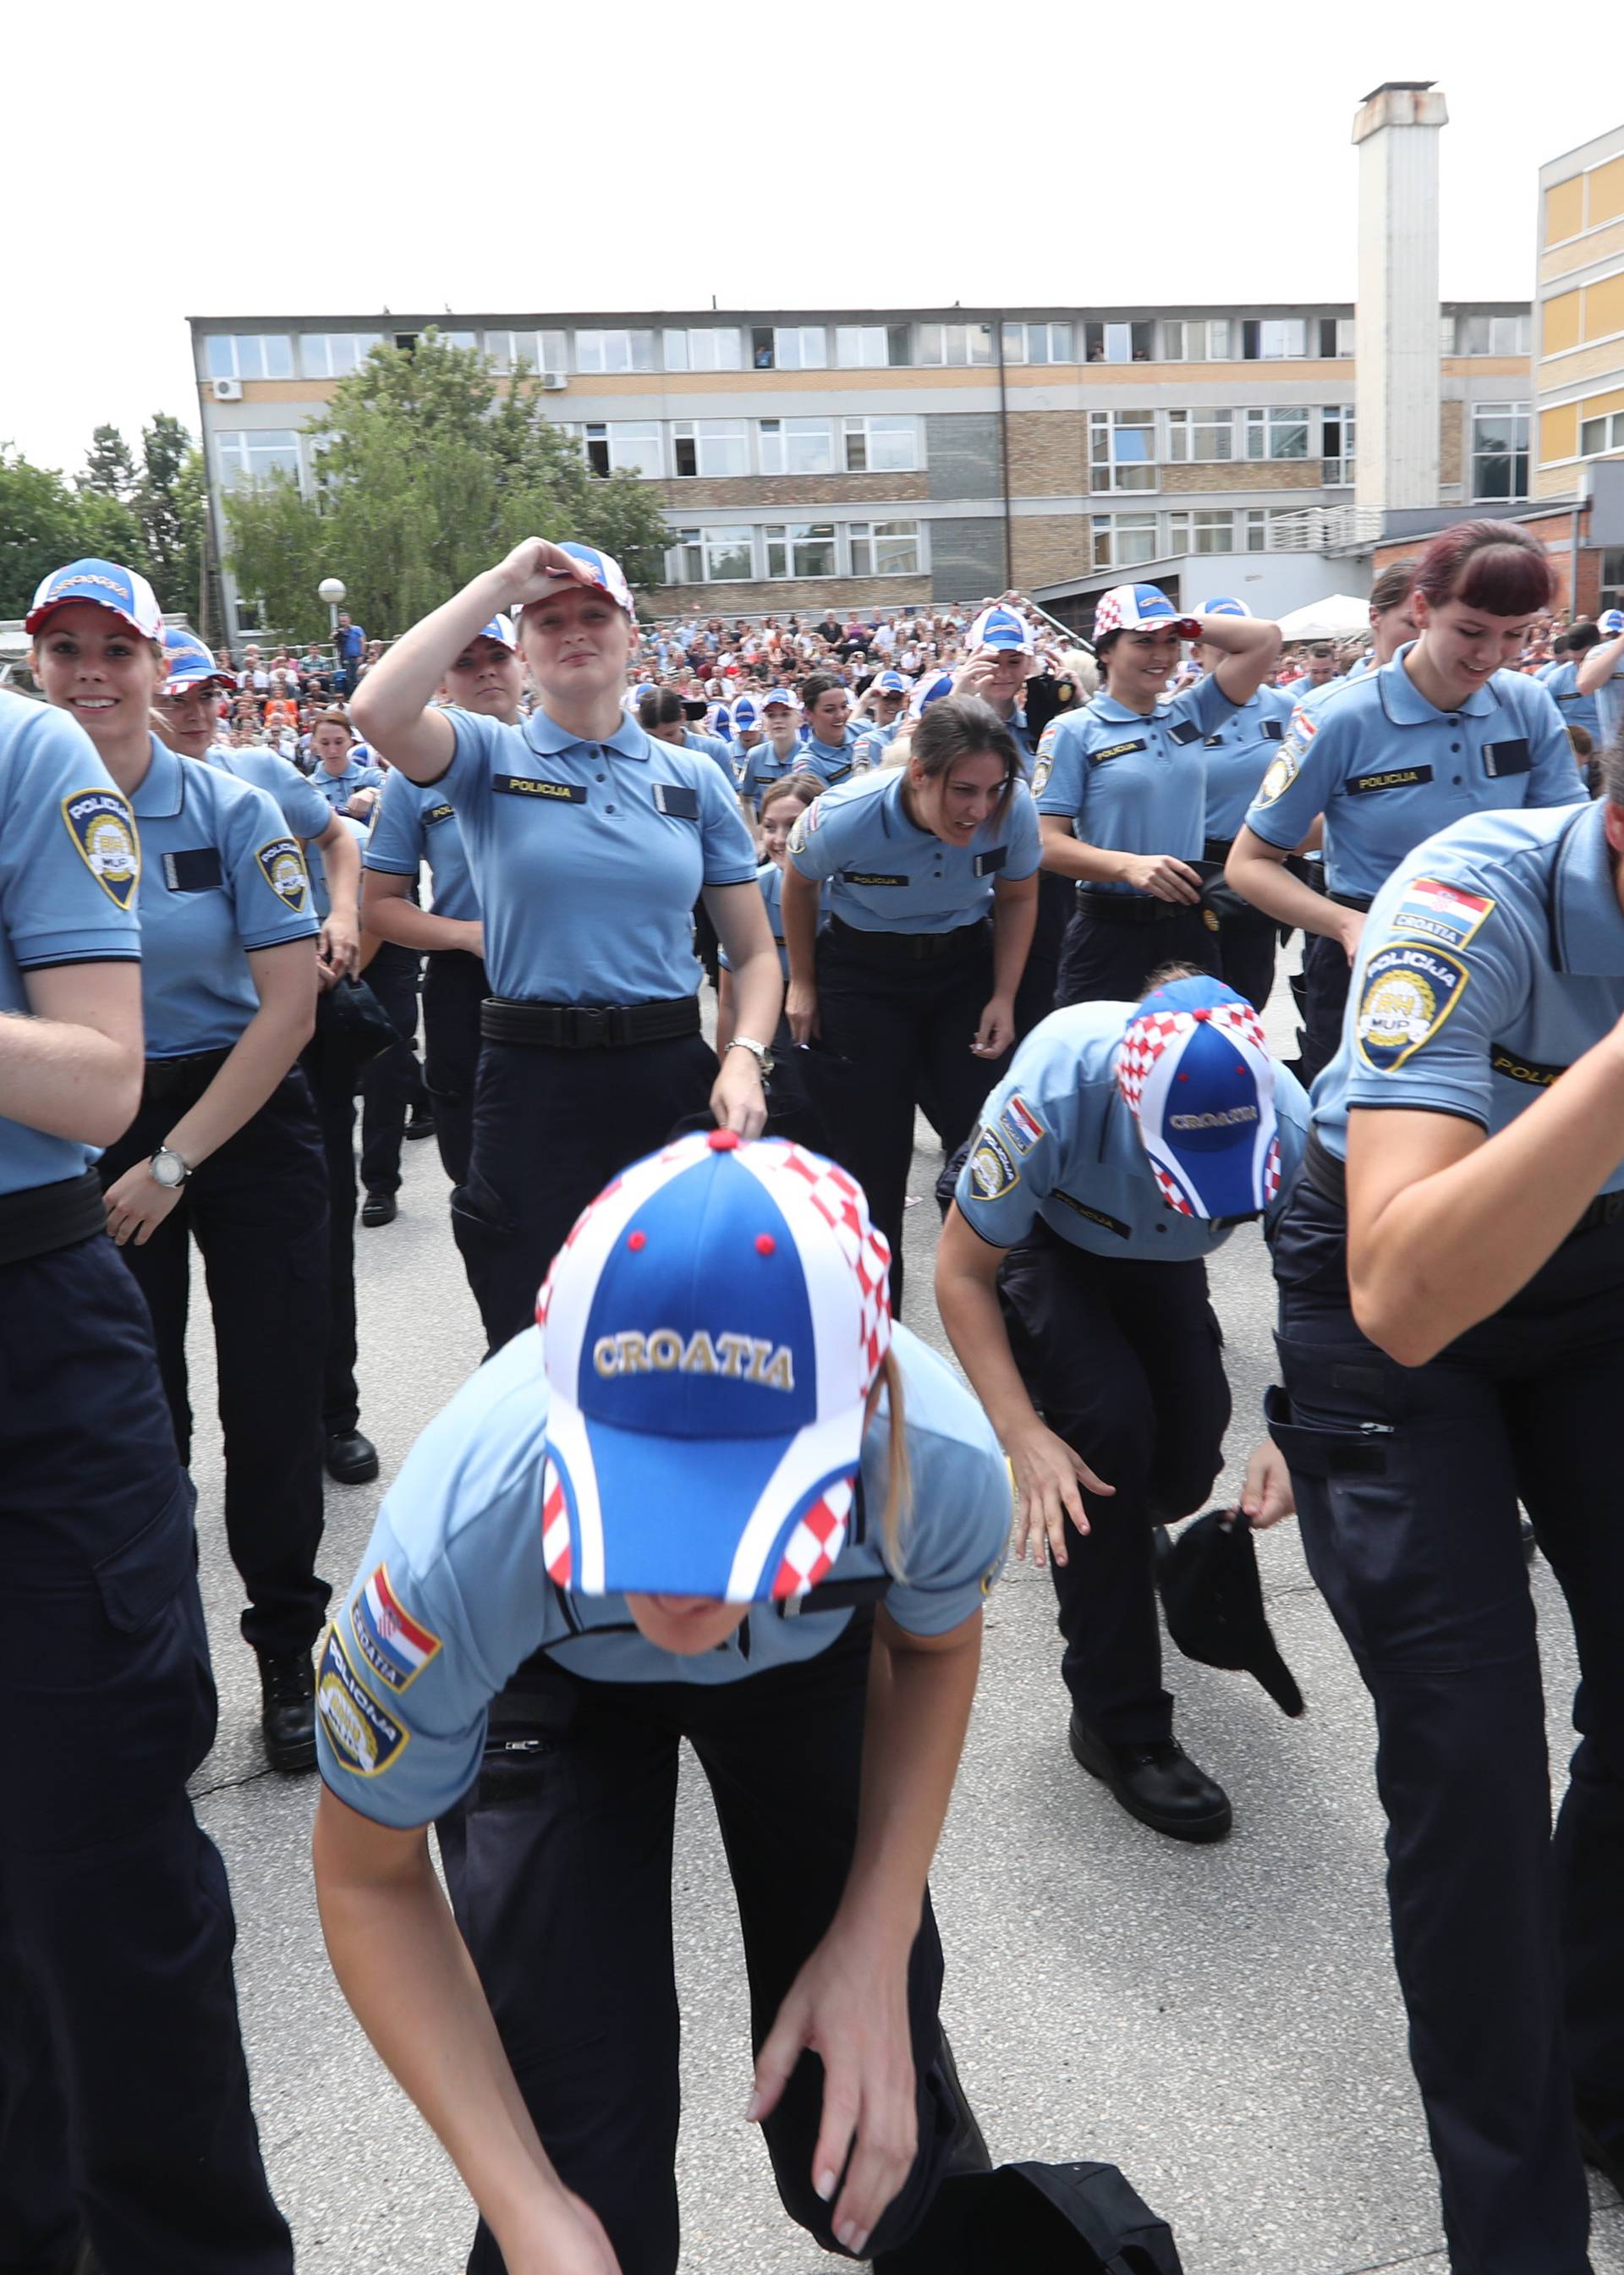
[[395, 1646]]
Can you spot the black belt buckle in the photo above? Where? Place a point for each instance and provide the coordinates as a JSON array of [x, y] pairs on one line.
[[589, 1026]]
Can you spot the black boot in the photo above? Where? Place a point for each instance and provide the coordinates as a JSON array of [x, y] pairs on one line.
[[288, 1714], [1158, 1784]]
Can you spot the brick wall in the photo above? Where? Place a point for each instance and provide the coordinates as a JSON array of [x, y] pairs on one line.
[[1451, 443], [1048, 453], [1243, 474], [763, 493], [806, 597], [1049, 548]]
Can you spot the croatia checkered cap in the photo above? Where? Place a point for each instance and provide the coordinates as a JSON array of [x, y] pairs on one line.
[[606, 571], [500, 628], [928, 689], [1225, 605], [790, 702], [1610, 624], [109, 585], [189, 663], [712, 1328], [742, 716], [1133, 608], [1001, 627], [891, 683], [1196, 1072]]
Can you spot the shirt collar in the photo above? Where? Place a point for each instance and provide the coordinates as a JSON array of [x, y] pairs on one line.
[[1587, 921], [162, 794], [550, 740], [1406, 707], [1107, 706]]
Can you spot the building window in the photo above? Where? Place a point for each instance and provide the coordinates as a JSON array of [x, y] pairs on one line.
[[884, 548], [609, 352], [1611, 594], [1118, 343], [1336, 443], [1200, 436], [868, 347], [541, 350], [955, 343], [1195, 340], [250, 355], [805, 548], [624, 445], [711, 447], [1054, 343], [706, 347], [1204, 530], [711, 557], [1121, 446], [795, 446], [1123, 541], [1595, 436], [334, 355], [1269, 340], [1280, 432], [1263, 527], [886, 443], [789, 347], [1499, 335], [255, 454]]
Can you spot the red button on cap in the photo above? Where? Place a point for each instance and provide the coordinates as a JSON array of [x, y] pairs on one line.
[[722, 1141]]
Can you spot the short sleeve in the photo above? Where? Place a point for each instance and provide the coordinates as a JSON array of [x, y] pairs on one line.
[[1058, 776], [265, 870], [816, 843], [729, 853], [396, 845], [1205, 704], [1553, 770], [1423, 1016], [960, 1537], [304, 809], [70, 853], [467, 780], [1023, 836], [1010, 1170], [1299, 781]]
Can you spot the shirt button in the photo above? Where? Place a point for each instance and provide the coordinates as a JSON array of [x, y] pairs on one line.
[[603, 778], [1455, 779], [1454, 746], [608, 809]]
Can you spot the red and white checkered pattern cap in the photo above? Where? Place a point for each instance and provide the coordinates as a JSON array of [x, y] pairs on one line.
[[1134, 609], [1206, 1116]]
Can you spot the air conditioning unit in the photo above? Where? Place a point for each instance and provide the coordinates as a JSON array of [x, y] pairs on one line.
[[554, 381], [228, 390]]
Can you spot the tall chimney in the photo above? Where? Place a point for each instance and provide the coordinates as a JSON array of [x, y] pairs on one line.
[[1396, 324]]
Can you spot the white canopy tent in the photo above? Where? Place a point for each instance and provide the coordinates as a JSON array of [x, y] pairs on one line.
[[1338, 617]]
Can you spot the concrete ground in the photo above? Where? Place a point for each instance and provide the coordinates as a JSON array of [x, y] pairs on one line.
[[1222, 2023]]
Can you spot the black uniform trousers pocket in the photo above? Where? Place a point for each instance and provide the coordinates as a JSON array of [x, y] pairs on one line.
[[908, 1027], [550, 1129], [257, 1210], [1406, 1482], [124, 2094], [1123, 1359], [1105, 963], [1326, 974], [454, 987], [559, 1866]]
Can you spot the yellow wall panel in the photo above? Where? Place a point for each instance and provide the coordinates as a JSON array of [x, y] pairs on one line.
[[1597, 406], [1558, 433], [1607, 200], [1604, 307], [1564, 209], [1559, 324]]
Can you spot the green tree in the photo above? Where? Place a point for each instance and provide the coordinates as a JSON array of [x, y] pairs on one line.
[[427, 474], [171, 500], [110, 470], [40, 529]]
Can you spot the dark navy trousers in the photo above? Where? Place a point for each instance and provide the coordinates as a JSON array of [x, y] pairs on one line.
[[454, 987], [1509, 1947]]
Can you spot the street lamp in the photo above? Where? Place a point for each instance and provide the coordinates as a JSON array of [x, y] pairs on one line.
[[331, 589]]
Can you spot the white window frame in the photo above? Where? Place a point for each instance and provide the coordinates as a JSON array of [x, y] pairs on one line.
[[636, 347], [1262, 421], [855, 347], [354, 348], [936, 345], [783, 543], [800, 347], [718, 433], [699, 550], [224, 355], [541, 350], [1187, 428], [897, 430], [1110, 529], [1107, 467], [1612, 423], [1520, 415], [865, 542], [629, 445], [1042, 343], [1190, 523], [702, 347], [236, 449], [1336, 469], [777, 441]]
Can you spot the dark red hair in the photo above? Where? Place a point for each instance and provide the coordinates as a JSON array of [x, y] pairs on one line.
[[1491, 565]]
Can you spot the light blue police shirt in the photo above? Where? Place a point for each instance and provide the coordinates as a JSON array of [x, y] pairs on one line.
[[1057, 1140], [1238, 754], [1132, 780], [69, 868], [411, 825], [884, 873], [1610, 708], [221, 875], [713, 747], [1387, 770], [402, 1706], [830, 762], [1493, 957], [1562, 686], [304, 809], [764, 766], [338, 789], [587, 857]]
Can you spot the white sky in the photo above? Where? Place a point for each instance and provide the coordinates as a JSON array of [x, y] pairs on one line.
[[293, 158]]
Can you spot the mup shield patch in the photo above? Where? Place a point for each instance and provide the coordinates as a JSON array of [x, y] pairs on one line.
[[282, 864], [103, 828], [1409, 990]]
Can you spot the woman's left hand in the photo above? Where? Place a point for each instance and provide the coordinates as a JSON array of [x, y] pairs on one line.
[[738, 1099], [1266, 1495], [849, 2004], [339, 945], [137, 1204], [996, 1032]]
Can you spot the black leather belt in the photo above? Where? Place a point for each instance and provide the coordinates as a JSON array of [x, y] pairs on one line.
[[1360, 900], [1329, 1178], [1129, 908], [44, 1218], [189, 1077], [588, 1026], [905, 947], [1218, 849]]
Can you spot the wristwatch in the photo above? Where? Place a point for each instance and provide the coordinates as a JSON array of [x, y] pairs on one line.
[[170, 1169], [758, 1051]]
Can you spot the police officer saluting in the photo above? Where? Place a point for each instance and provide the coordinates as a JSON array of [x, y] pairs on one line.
[[1441, 732], [1121, 787], [589, 844], [224, 1148], [1238, 754], [122, 2075], [1121, 1150], [1451, 1277]]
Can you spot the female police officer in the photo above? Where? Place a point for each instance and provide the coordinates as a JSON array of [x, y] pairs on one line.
[[1119, 784], [121, 2068], [1236, 755], [1121, 1150], [680, 1508], [224, 1146], [413, 826], [1439, 732], [1451, 1341], [589, 844], [908, 980]]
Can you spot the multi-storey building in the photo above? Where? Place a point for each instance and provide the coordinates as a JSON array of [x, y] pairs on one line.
[[883, 457]]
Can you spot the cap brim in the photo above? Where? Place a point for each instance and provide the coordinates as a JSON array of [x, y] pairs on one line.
[[693, 1516], [35, 617]]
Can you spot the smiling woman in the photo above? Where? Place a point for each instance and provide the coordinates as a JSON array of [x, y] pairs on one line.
[[589, 844]]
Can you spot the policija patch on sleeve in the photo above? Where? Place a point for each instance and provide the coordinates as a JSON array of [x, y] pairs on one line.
[[103, 828], [365, 1738], [282, 865], [992, 1171], [1410, 988]]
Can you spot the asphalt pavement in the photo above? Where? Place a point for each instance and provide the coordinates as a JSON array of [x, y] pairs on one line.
[[1222, 2023]]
